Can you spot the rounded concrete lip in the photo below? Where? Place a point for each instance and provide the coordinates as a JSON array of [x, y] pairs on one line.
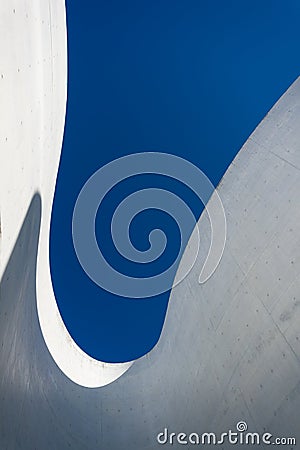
[[33, 89]]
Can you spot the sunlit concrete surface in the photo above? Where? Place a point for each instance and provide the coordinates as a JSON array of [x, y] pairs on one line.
[[33, 91], [229, 350]]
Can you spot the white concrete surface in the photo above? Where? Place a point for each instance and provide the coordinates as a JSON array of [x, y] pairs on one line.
[[230, 348], [33, 91]]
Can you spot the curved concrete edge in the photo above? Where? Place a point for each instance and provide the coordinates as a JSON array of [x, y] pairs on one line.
[[33, 90], [230, 347], [238, 333]]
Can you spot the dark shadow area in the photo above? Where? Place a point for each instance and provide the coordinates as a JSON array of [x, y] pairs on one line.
[[40, 408], [33, 391], [180, 385]]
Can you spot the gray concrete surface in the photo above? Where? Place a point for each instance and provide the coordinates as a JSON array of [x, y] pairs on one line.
[[33, 93], [229, 350]]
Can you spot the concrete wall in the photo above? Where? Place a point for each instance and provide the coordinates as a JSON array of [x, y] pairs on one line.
[[33, 91], [230, 348]]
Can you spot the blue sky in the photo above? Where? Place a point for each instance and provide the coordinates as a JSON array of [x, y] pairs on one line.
[[191, 78]]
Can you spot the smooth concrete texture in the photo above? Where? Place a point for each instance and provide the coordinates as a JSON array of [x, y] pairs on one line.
[[33, 92], [229, 350]]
